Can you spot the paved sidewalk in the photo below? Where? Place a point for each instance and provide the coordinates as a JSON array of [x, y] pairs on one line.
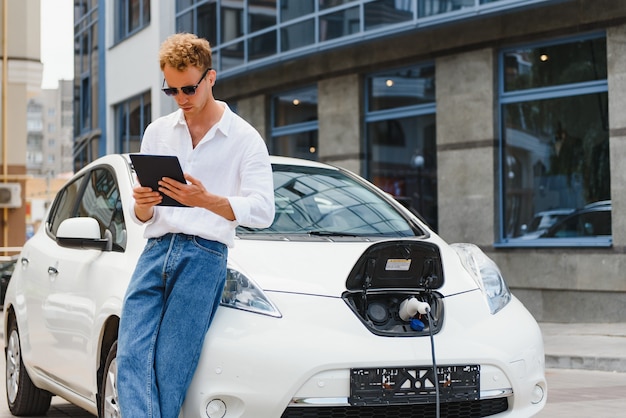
[[600, 347]]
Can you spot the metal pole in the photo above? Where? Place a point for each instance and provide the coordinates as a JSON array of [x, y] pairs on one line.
[[5, 83]]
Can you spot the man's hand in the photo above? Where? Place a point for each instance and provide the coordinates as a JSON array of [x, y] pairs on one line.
[[145, 200], [194, 194]]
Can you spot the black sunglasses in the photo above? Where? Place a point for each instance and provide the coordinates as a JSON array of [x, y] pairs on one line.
[[188, 90]]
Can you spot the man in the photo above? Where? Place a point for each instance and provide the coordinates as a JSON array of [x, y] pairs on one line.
[[178, 281]]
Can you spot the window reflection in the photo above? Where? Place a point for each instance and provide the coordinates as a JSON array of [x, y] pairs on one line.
[[401, 150], [403, 162], [251, 21], [404, 87], [133, 116], [554, 65], [295, 106], [436, 7], [326, 202], [262, 46], [297, 35], [294, 123], [261, 14], [557, 158], [383, 12], [338, 24], [232, 20], [291, 9], [299, 145], [556, 168]]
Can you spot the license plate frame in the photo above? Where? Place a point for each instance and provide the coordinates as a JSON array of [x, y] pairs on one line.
[[413, 385]]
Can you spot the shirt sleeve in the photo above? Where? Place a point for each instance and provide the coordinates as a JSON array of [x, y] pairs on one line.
[[254, 206]]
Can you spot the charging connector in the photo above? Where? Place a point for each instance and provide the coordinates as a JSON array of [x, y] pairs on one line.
[[411, 307]]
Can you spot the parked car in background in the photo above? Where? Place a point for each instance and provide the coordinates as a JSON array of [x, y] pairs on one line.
[[7, 265], [347, 305], [591, 221], [542, 221]]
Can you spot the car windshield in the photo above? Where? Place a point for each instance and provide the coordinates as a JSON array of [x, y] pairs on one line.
[[327, 202]]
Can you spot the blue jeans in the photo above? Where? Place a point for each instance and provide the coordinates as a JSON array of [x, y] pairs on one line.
[[169, 305]]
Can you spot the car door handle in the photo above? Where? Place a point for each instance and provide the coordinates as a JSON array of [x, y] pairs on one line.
[[52, 271], [24, 261]]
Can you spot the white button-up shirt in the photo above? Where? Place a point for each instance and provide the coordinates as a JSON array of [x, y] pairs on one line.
[[231, 161]]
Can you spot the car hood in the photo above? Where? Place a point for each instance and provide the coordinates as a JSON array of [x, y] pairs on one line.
[[322, 267]]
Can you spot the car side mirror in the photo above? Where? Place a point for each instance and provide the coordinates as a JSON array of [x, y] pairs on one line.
[[82, 232]]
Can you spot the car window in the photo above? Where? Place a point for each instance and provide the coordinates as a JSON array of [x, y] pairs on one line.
[[64, 205], [324, 201], [97, 197], [101, 201]]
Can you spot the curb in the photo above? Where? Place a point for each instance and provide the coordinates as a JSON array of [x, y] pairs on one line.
[[605, 364]]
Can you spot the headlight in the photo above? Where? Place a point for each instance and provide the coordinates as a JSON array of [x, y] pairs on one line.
[[240, 292], [486, 274]]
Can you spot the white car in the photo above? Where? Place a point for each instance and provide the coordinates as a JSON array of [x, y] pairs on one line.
[[342, 308]]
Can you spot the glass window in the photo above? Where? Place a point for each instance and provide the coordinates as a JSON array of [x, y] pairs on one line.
[[555, 145], [291, 9], [101, 201], [201, 20], [294, 124], [403, 162], [262, 46], [298, 145], [131, 16], [295, 106], [232, 21], [554, 65], [384, 12], [403, 87], [133, 117], [64, 205], [342, 23], [401, 137], [323, 202], [261, 14], [232, 55], [436, 7], [297, 35], [206, 24], [326, 4], [183, 4]]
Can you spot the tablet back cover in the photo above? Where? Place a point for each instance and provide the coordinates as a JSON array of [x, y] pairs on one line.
[[151, 168]]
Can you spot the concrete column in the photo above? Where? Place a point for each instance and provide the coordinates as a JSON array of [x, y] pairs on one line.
[[466, 147], [616, 63], [339, 114], [254, 109]]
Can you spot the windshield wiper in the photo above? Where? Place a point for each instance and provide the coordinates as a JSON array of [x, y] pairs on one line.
[[323, 233]]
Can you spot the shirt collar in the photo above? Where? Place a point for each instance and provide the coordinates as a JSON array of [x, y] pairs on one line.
[[223, 125]]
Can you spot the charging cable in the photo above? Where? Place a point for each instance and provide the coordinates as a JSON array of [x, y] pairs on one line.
[[408, 309], [431, 321]]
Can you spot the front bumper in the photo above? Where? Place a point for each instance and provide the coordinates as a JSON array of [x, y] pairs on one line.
[[257, 366]]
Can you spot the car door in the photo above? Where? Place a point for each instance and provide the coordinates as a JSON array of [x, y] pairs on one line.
[[69, 298], [39, 266]]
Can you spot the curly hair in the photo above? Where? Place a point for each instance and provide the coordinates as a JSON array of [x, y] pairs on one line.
[[184, 50]]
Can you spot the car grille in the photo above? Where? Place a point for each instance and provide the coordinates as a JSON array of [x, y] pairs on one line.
[[469, 409]]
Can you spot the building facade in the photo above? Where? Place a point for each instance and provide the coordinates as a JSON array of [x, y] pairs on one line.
[[21, 74], [500, 122], [50, 131]]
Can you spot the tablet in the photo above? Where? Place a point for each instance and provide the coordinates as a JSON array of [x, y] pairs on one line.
[[152, 168]]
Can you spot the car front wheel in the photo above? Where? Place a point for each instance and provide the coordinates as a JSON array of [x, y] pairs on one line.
[[109, 404], [23, 397]]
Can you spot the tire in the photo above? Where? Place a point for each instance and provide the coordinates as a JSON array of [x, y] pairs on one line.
[[23, 397], [109, 402]]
